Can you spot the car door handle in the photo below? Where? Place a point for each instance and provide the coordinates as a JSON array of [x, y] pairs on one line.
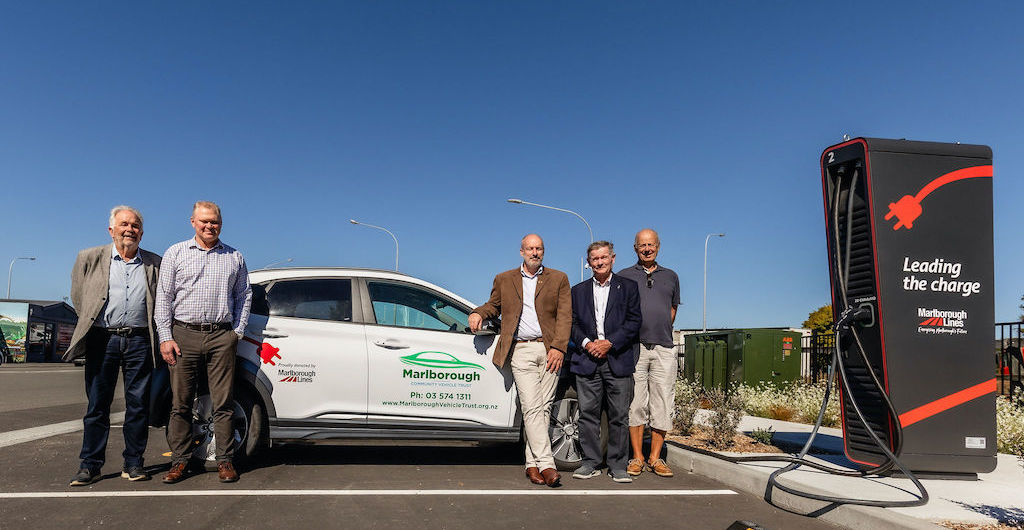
[[390, 344], [273, 334]]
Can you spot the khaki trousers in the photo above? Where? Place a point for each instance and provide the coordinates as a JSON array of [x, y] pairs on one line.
[[654, 389], [536, 389]]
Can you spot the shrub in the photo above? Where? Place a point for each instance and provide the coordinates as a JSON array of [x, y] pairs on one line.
[[790, 402], [1010, 427], [763, 436], [727, 410], [687, 401]]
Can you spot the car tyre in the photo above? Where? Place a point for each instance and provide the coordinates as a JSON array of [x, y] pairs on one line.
[[248, 427]]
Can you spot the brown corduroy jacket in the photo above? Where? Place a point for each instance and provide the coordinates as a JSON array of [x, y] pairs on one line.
[[553, 303]]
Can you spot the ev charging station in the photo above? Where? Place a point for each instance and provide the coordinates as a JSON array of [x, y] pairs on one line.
[[910, 241]]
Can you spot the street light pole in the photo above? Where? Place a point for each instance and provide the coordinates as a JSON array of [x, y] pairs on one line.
[[353, 221], [705, 304], [10, 271], [583, 269]]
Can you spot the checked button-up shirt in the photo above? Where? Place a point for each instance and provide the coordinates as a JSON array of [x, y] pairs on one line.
[[201, 286]]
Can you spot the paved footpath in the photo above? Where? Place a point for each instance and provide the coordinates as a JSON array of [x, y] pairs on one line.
[[327, 486]]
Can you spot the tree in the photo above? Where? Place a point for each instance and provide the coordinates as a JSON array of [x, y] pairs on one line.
[[820, 320], [1022, 309]]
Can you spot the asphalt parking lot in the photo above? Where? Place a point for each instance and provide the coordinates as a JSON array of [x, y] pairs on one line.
[[326, 486]]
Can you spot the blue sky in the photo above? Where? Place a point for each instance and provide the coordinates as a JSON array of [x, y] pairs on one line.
[[424, 117]]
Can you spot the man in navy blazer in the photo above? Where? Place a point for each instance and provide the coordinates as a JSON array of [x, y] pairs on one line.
[[605, 334]]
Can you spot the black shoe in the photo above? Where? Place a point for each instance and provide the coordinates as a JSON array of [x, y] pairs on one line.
[[134, 473], [85, 476]]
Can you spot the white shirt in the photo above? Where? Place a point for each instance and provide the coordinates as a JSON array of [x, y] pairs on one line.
[[601, 291], [529, 325]]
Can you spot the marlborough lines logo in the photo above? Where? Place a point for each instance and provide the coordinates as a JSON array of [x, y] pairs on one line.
[[939, 321], [433, 361]]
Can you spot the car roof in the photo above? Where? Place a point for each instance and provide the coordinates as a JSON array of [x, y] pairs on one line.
[[278, 273]]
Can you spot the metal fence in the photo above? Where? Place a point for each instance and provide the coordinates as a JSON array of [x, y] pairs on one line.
[[1008, 356], [816, 351]]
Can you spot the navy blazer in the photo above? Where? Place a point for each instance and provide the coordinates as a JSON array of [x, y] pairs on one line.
[[621, 326]]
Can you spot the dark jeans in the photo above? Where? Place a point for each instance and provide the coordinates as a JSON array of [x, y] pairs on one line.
[[594, 390], [214, 352], [106, 353]]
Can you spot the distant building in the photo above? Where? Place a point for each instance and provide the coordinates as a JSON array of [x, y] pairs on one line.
[[36, 331]]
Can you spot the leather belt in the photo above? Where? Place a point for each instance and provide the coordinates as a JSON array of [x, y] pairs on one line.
[[216, 326], [127, 331], [538, 339]]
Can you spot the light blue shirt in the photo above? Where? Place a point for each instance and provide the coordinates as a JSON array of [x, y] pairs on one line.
[[126, 293]]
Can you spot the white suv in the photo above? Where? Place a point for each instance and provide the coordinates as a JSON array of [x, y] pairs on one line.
[[339, 353]]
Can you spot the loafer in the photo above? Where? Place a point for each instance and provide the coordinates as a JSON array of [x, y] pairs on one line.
[[134, 473], [534, 475], [176, 474], [620, 476], [635, 467], [660, 468], [551, 477], [585, 472], [84, 477], [226, 472]]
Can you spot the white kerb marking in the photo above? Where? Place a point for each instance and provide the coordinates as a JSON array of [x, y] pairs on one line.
[[45, 431]]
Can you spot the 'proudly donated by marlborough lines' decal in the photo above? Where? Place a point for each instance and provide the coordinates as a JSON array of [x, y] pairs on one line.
[[440, 366]]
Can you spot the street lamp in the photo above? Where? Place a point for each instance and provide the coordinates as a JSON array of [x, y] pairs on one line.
[[705, 308], [583, 269], [289, 260], [353, 221], [10, 271]]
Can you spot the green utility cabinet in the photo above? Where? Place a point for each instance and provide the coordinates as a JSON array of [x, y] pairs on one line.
[[749, 356]]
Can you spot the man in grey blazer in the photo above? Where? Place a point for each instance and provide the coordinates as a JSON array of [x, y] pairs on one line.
[[113, 288]]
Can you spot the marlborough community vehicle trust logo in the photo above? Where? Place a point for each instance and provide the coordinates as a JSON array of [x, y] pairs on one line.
[[433, 362]]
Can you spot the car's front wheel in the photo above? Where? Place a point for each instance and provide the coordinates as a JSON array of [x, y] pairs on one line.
[[565, 433], [247, 429]]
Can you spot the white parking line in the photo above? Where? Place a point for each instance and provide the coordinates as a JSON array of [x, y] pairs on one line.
[[36, 433], [13, 371], [352, 493]]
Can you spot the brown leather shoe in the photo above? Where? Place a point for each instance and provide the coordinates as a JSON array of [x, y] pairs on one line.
[[551, 477], [176, 474], [534, 475], [635, 467], [227, 472], [660, 468]]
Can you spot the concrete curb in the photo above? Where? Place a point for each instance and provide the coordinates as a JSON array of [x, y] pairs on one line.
[[743, 478]]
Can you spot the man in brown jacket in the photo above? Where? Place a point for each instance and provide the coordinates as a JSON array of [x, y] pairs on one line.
[[536, 319]]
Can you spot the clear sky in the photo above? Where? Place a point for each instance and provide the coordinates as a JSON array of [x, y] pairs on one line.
[[424, 117]]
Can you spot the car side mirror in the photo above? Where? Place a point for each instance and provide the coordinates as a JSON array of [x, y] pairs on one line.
[[490, 326]]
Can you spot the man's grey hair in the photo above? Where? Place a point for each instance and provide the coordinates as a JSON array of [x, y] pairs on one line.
[[121, 208], [205, 204], [601, 244]]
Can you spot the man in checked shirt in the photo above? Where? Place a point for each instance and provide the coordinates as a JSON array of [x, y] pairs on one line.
[[202, 307]]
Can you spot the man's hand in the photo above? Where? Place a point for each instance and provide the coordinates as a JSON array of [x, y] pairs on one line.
[[170, 352], [475, 321], [554, 360], [600, 348]]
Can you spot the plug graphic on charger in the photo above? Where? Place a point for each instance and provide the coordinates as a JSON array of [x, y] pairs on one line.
[[908, 208]]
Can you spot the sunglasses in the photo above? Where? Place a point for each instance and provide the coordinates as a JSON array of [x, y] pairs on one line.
[[650, 281]]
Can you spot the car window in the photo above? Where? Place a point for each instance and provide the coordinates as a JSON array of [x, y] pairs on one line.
[[412, 307], [259, 300], [313, 298]]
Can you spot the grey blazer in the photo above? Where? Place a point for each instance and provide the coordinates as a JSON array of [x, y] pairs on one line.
[[89, 287]]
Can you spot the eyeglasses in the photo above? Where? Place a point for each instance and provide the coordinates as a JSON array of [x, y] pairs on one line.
[[650, 281]]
